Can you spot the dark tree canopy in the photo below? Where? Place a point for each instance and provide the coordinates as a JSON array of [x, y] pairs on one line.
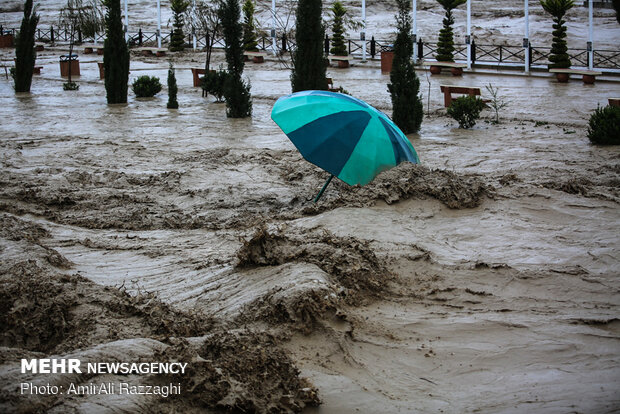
[[445, 45], [25, 54], [557, 8], [236, 91], [115, 55], [407, 109], [308, 60]]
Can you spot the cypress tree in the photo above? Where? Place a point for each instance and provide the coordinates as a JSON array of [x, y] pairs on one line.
[[338, 45], [236, 91], [249, 30], [445, 45], [308, 60], [115, 55], [25, 54], [404, 87], [558, 8], [172, 89], [616, 6], [177, 40]]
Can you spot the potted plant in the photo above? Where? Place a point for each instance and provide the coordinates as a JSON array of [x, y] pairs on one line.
[[249, 30], [177, 40], [339, 47], [559, 58], [445, 45]]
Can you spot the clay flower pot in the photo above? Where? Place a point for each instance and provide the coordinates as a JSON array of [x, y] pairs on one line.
[[435, 70], [343, 64], [456, 71], [562, 77]]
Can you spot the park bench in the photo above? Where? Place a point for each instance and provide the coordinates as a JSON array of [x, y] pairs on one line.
[[588, 76], [614, 101], [257, 57], [6, 68], [37, 70], [455, 68], [448, 90], [196, 74], [343, 61]]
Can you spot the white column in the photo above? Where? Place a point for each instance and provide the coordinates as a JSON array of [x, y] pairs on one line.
[[468, 39], [363, 36], [126, 23], [415, 30], [159, 23], [273, 27], [193, 27], [590, 37], [526, 39]]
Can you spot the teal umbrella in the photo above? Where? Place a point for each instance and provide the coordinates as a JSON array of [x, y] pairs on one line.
[[342, 135]]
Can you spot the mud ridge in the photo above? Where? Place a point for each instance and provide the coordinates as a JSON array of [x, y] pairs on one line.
[[351, 262], [241, 371]]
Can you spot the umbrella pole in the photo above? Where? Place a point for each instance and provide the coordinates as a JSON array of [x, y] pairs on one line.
[[324, 187]]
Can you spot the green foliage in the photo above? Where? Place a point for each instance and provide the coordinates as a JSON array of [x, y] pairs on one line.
[[339, 47], [616, 5], [238, 97], [604, 126], [445, 45], [558, 8], [236, 91], [308, 59], [146, 86], [466, 110], [172, 89], [177, 40], [25, 54], [115, 55], [496, 102], [70, 86], [250, 43], [213, 82], [404, 87]]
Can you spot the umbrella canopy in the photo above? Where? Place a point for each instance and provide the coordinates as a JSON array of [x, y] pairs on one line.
[[342, 135]]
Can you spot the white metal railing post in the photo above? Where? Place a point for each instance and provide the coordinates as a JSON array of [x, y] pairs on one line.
[[526, 39], [590, 37], [468, 37], [415, 31], [273, 27], [126, 23], [159, 23], [363, 34]]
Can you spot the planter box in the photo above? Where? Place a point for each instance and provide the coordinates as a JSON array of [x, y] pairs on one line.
[[386, 61], [64, 66], [7, 40]]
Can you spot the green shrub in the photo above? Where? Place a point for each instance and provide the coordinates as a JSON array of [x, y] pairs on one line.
[[146, 86], [604, 126], [213, 83], [172, 89], [466, 110]]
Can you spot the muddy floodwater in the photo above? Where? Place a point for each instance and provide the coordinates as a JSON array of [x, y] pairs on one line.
[[485, 279]]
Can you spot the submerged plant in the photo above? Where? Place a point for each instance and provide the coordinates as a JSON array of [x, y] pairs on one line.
[[557, 8], [466, 110], [115, 55], [172, 89], [496, 103], [604, 126], [404, 86], [308, 59], [25, 54], [146, 86]]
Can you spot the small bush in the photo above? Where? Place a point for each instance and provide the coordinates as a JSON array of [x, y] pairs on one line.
[[146, 86], [604, 126], [70, 86], [466, 110], [213, 82]]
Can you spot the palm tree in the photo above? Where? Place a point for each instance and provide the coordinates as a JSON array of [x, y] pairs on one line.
[[558, 8], [445, 46]]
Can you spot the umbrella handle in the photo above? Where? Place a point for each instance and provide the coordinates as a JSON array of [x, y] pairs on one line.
[[324, 187]]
